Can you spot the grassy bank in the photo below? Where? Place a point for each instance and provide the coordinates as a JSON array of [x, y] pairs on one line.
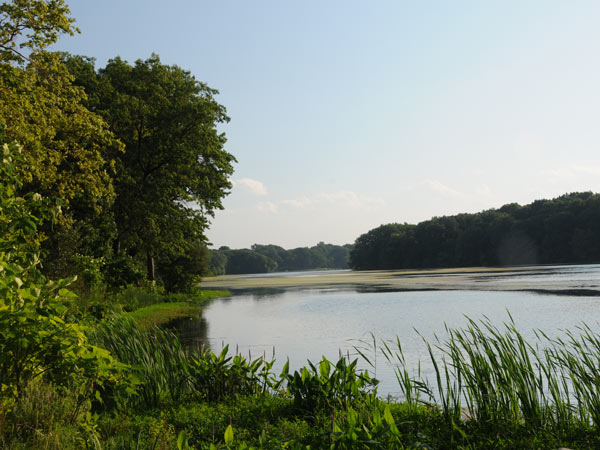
[[165, 309], [161, 314], [492, 390]]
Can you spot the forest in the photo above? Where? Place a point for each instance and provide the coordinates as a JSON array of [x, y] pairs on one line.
[[563, 230], [272, 258]]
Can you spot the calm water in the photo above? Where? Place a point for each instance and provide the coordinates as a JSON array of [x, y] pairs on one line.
[[306, 324]]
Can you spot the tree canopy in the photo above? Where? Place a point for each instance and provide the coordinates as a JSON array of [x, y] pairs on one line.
[[270, 258], [65, 145], [562, 230], [32, 25], [174, 171], [131, 150]]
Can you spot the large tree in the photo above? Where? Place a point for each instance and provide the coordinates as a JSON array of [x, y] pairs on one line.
[[175, 170], [64, 143], [65, 146]]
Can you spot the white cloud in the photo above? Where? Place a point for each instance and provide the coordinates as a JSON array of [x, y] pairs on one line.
[[350, 198], [441, 188], [559, 173], [572, 171], [253, 186], [588, 170], [342, 198], [267, 207], [298, 203]]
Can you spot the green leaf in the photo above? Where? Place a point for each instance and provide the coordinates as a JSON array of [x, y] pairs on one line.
[[286, 369], [228, 436], [387, 416], [66, 293], [182, 440]]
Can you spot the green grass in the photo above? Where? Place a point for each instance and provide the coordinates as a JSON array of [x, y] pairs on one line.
[[133, 297], [162, 313], [149, 309]]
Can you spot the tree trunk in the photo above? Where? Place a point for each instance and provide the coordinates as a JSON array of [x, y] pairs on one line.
[[150, 265]]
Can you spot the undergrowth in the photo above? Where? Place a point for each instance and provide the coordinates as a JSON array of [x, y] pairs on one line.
[[492, 390]]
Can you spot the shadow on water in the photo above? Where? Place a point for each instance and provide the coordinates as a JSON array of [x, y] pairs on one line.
[[260, 293], [191, 331], [565, 292], [374, 289]]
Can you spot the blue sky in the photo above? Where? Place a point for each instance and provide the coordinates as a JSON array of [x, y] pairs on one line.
[[346, 115]]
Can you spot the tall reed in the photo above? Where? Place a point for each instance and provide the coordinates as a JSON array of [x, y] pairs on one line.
[[167, 371], [156, 356], [494, 375]]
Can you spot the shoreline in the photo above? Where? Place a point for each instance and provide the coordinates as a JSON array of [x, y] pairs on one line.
[[519, 278]]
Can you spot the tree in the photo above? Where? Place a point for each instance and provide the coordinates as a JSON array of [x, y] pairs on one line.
[[218, 262], [370, 249], [248, 261], [174, 171], [37, 336], [562, 230], [32, 25], [65, 146]]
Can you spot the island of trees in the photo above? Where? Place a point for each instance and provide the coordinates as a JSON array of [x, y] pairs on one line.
[[561, 230], [271, 258]]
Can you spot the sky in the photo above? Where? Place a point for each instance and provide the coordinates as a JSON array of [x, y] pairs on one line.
[[346, 115]]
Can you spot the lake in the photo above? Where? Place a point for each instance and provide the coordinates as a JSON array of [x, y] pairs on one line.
[[306, 321]]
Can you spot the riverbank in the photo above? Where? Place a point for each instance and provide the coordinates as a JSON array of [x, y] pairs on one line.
[[162, 313], [520, 278], [189, 400]]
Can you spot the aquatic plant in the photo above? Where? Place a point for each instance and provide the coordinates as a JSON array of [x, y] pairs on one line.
[[156, 356], [214, 377], [490, 375], [328, 385]]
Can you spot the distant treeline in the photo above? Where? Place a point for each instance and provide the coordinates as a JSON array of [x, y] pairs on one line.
[[563, 230], [271, 258]]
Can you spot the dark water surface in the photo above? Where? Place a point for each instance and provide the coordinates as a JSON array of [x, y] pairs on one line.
[[302, 324]]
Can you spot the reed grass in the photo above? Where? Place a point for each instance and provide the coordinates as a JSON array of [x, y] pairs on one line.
[[156, 356], [167, 372], [492, 389], [487, 374]]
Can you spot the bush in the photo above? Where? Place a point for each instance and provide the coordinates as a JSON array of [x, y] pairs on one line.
[[122, 271], [180, 273], [43, 417], [328, 386], [36, 337]]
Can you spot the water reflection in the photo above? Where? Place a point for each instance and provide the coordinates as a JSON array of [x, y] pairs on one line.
[[259, 293], [192, 332]]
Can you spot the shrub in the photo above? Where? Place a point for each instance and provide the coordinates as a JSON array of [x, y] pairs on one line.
[[328, 386], [36, 337]]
